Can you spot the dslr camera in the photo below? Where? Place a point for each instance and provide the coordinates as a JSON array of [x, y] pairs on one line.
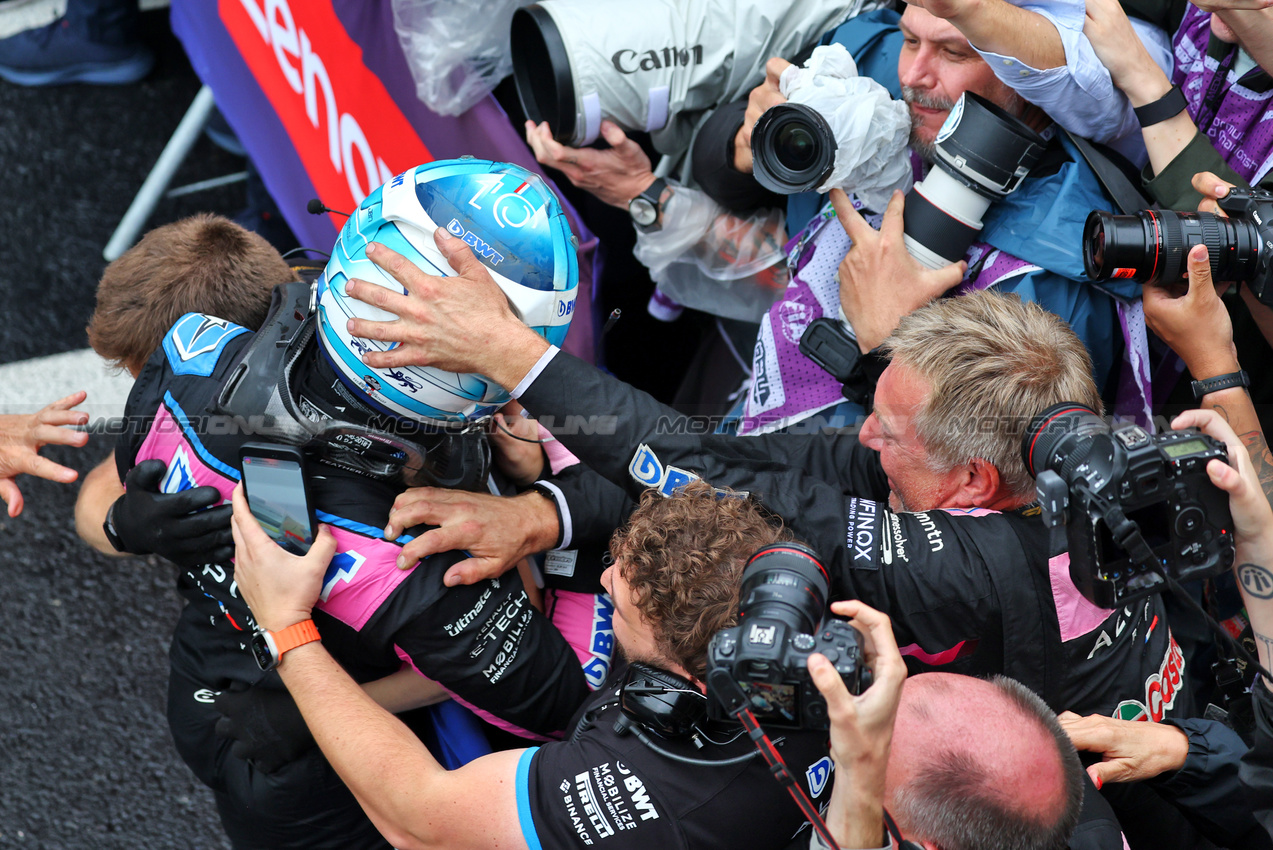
[[982, 154], [1096, 480], [1152, 246], [761, 662]]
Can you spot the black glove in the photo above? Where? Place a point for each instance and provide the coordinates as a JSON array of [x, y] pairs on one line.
[[265, 724], [174, 525]]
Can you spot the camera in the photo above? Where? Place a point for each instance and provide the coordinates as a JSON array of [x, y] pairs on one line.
[[653, 66], [982, 154], [761, 662], [1152, 246], [1105, 483]]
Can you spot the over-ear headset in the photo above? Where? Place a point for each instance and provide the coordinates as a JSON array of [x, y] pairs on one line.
[[652, 700], [661, 701]]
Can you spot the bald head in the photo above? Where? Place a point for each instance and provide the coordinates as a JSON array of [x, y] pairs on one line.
[[981, 764]]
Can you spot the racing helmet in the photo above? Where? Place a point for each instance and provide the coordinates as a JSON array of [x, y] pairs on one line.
[[513, 223]]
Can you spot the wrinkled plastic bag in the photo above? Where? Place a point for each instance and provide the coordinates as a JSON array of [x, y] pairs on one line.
[[871, 129], [708, 259], [457, 52]]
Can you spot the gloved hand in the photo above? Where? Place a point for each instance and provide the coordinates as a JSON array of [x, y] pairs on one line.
[[174, 525], [266, 726]]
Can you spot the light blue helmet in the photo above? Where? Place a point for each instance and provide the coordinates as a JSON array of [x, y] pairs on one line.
[[515, 226]]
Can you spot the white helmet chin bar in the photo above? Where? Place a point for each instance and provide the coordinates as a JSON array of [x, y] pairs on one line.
[[259, 393]]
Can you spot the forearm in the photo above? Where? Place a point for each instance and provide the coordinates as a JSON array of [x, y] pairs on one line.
[[404, 691], [1234, 404], [391, 773], [856, 815], [99, 491], [996, 26]]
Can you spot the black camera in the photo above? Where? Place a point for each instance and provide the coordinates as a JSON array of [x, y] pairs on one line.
[[761, 662], [1097, 480], [1152, 246]]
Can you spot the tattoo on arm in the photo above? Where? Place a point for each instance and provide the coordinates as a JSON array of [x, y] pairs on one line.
[[1256, 581], [1218, 408], [1261, 459]]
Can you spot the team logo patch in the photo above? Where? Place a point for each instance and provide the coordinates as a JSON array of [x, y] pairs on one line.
[[195, 343], [1160, 689], [601, 642], [342, 568], [179, 476], [817, 775], [648, 471], [862, 536]]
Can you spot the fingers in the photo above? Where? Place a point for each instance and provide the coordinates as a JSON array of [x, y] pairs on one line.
[[146, 475], [613, 134], [324, 546], [829, 683], [774, 68], [205, 522], [879, 643], [947, 277], [52, 434], [11, 495], [416, 506], [473, 570], [850, 219], [42, 467], [248, 533], [460, 256], [891, 223], [1199, 272], [68, 402], [443, 539]]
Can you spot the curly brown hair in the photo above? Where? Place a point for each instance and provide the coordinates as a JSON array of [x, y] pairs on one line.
[[683, 557]]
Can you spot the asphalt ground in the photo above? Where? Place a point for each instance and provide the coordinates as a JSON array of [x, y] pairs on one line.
[[85, 756]]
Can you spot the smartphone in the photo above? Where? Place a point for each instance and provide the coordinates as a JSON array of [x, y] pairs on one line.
[[277, 489]]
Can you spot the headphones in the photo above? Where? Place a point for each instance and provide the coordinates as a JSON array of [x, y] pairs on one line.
[[661, 702]]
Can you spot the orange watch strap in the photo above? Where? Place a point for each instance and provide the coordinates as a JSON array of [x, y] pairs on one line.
[[297, 634]]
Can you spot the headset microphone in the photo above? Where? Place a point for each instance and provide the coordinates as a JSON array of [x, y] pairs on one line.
[[316, 207]]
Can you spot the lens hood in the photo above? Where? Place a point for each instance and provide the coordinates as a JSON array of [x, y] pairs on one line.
[[541, 71], [987, 149]]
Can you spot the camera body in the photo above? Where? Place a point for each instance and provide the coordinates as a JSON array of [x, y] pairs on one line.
[[769, 662], [1152, 246], [1085, 469], [762, 661]]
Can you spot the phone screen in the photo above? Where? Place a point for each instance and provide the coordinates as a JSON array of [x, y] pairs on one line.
[[276, 495]]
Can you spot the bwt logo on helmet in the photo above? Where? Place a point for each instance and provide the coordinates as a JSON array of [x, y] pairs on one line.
[[475, 242]]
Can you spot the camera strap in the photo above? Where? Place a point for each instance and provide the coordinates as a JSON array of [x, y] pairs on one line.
[[1124, 194]]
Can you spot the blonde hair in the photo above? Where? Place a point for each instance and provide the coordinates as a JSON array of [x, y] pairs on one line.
[[992, 362]]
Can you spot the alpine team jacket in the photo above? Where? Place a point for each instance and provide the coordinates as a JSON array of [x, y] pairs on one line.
[[975, 592], [484, 642]]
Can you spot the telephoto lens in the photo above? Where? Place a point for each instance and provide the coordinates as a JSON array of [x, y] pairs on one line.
[[655, 66], [793, 149], [982, 154], [1152, 246]]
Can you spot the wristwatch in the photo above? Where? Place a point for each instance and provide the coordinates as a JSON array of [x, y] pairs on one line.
[[645, 207], [1220, 382], [268, 647]]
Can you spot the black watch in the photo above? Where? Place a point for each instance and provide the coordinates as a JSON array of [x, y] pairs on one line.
[[646, 207], [1220, 382], [108, 527]]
